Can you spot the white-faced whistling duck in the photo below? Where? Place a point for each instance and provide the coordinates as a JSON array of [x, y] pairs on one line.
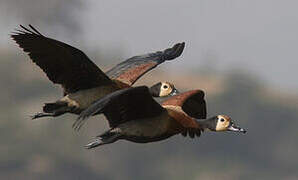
[[82, 81], [135, 116]]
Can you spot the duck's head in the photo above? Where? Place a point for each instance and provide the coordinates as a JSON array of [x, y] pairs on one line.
[[163, 89], [222, 123]]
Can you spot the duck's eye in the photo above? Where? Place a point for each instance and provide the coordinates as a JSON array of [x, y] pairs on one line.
[[165, 87], [222, 120]]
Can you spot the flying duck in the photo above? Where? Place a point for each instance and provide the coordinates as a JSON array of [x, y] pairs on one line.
[[135, 116], [82, 81]]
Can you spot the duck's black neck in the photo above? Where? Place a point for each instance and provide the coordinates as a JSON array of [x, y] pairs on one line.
[[208, 123], [155, 89]]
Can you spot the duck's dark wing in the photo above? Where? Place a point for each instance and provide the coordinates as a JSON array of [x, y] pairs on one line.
[[192, 103], [122, 106], [62, 63], [130, 70]]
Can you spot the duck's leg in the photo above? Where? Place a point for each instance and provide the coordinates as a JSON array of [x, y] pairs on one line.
[[54, 109], [42, 114]]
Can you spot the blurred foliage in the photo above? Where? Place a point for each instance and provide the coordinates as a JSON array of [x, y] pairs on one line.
[[50, 149]]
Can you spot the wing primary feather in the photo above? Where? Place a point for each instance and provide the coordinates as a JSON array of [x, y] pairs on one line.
[[175, 51], [62, 63], [198, 133], [35, 30], [130, 70], [27, 29], [19, 31], [95, 108]]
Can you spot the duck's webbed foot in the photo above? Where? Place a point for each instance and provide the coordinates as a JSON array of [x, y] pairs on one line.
[[41, 114]]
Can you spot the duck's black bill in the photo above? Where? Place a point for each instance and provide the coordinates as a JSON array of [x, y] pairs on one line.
[[236, 129], [174, 92]]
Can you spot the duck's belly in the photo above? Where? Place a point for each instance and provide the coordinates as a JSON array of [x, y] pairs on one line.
[[147, 130], [84, 98], [146, 139]]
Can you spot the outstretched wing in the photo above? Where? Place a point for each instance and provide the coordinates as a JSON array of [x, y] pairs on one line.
[[191, 102], [130, 70], [62, 63], [122, 106]]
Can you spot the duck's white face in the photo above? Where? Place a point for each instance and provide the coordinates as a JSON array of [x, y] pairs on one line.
[[224, 123], [167, 89]]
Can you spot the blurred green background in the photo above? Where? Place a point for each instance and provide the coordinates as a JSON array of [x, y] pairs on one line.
[[242, 53]]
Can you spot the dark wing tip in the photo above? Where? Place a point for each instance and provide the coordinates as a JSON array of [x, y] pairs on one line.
[[96, 107], [35, 30], [192, 133], [80, 121], [201, 93], [24, 31], [174, 52]]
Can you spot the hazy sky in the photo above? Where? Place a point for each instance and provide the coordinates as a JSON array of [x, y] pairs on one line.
[[255, 35]]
